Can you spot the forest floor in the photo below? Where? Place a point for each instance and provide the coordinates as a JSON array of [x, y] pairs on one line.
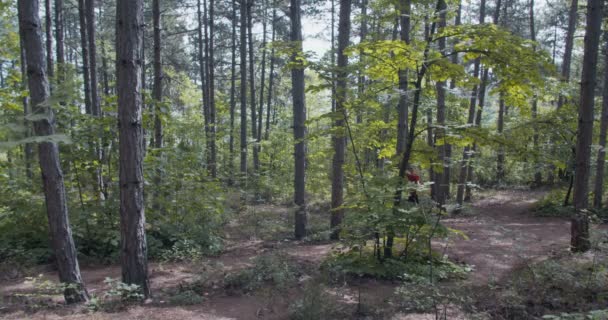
[[502, 232]]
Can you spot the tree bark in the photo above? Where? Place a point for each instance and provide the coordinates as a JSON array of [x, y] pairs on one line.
[[59, 42], [157, 95], [85, 56], [402, 129], [567, 59], [601, 155], [211, 91], [49, 38], [441, 178], [232, 92], [50, 166], [243, 96], [271, 75], [299, 122], [339, 138], [537, 167], [254, 127], [263, 75], [129, 39], [462, 176], [90, 11], [580, 222]]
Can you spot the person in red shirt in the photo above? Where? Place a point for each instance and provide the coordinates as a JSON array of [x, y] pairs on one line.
[[415, 178]]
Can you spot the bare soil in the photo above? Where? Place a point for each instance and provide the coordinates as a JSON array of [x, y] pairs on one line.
[[501, 235]]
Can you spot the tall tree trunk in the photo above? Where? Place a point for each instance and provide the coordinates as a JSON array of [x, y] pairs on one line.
[[263, 75], [339, 138], [157, 95], [211, 91], [500, 159], [537, 167], [254, 127], [361, 76], [580, 222], [49, 38], [405, 159], [271, 75], [28, 149], [567, 59], [85, 56], [402, 130], [129, 39], [441, 179], [95, 103], [333, 55], [50, 166], [299, 122], [601, 155], [59, 43], [464, 168], [232, 93], [243, 96]]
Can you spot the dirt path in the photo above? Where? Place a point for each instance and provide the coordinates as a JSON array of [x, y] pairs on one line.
[[502, 234]]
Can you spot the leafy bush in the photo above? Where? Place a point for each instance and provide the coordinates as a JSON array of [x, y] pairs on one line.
[[591, 315], [354, 264], [316, 304], [186, 297], [274, 269], [552, 205]]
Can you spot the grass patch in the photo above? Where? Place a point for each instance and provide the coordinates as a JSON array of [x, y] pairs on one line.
[[273, 269]]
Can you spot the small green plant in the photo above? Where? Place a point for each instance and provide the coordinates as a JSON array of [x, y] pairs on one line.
[[273, 268], [183, 250], [122, 291], [424, 296], [186, 297], [316, 304], [591, 315]]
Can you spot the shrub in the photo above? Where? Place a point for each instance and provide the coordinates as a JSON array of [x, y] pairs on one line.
[[274, 269]]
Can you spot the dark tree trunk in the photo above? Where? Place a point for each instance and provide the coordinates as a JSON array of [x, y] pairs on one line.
[[299, 123], [95, 103], [462, 176], [243, 96], [402, 130], [254, 127], [538, 179], [601, 155], [28, 149], [580, 241], [232, 92], [567, 59], [129, 39], [49, 38], [157, 95], [339, 138], [85, 56], [271, 75], [333, 56], [50, 167], [263, 75], [441, 178], [211, 91], [500, 160], [59, 43]]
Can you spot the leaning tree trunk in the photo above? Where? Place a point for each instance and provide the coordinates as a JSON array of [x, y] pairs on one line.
[[567, 59], [580, 222], [339, 138], [299, 122], [601, 155], [50, 166], [129, 39]]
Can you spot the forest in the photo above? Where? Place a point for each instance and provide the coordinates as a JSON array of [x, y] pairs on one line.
[[303, 159]]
